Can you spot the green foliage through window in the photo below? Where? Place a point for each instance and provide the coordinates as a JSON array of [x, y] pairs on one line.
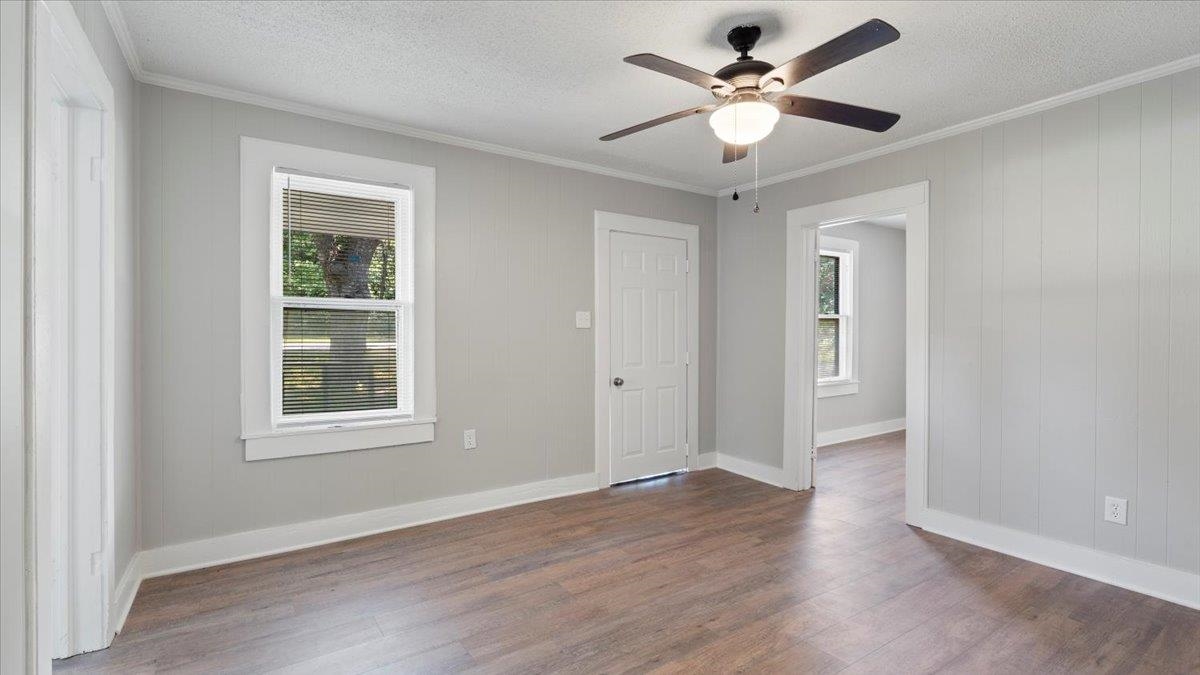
[[305, 277], [828, 274]]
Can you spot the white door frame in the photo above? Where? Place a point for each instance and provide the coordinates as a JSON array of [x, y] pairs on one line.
[[800, 346], [607, 223], [64, 67]]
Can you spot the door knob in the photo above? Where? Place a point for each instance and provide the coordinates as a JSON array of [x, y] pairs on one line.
[[618, 382]]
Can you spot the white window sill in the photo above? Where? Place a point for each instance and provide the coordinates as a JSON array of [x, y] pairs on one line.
[[326, 438], [838, 388]]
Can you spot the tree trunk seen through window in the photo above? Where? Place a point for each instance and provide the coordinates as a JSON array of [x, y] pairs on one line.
[[346, 263], [343, 247]]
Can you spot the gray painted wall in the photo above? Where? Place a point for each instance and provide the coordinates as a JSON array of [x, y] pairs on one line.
[[514, 263], [1064, 314], [880, 324], [95, 25], [13, 581]]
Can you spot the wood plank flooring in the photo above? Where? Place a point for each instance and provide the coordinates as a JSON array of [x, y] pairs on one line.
[[704, 572]]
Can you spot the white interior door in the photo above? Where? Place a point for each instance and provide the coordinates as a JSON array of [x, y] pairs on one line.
[[648, 361]]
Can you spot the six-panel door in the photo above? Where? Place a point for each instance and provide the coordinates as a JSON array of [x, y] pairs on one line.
[[648, 342]]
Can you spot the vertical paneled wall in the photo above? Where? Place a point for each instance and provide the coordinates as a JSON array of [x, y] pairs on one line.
[[1064, 317], [514, 263], [13, 579]]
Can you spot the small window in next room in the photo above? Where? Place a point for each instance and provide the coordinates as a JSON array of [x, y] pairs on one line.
[[835, 316]]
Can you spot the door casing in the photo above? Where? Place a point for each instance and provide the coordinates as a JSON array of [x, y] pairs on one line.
[[65, 74], [606, 223], [800, 329]]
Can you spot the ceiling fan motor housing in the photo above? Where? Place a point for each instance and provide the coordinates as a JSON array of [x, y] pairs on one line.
[[746, 71], [744, 74]]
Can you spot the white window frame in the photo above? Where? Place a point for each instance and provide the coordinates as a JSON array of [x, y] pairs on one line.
[[847, 253], [401, 196], [267, 434]]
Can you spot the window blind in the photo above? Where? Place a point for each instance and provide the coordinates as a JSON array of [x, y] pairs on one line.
[[337, 360], [324, 213], [828, 353]]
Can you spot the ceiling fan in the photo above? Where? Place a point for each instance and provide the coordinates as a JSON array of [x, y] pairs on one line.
[[749, 92]]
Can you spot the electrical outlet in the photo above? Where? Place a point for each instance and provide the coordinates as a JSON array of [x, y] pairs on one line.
[[583, 319], [1115, 510], [469, 440]]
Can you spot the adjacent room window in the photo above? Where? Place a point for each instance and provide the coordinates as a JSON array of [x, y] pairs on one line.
[[835, 316], [345, 298], [337, 308]]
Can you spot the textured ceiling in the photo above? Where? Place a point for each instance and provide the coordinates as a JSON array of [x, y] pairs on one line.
[[547, 77]]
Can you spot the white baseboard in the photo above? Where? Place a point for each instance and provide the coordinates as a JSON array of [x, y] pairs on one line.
[[123, 595], [862, 431], [1165, 583], [771, 475], [269, 541], [708, 460]]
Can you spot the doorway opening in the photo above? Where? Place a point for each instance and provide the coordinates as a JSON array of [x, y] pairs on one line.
[[860, 350], [825, 333], [71, 296]]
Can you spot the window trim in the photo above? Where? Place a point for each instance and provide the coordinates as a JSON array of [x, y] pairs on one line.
[[266, 436], [847, 251]]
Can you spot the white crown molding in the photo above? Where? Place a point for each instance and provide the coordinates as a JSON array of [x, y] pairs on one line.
[[988, 120], [125, 39]]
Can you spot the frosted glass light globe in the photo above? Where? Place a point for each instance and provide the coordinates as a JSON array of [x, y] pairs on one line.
[[744, 123]]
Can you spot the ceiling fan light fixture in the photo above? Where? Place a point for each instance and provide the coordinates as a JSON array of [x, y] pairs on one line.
[[744, 122]]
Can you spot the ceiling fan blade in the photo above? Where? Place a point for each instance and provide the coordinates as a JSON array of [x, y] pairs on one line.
[[849, 45], [838, 113], [677, 70], [659, 120], [734, 152]]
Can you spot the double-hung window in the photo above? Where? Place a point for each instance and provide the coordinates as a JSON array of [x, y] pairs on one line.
[[337, 301], [836, 356], [343, 299]]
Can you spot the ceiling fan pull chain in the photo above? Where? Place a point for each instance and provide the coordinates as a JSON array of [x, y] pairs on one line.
[[756, 177]]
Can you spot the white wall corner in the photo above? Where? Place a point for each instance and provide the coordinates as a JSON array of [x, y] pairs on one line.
[[763, 473], [706, 460], [1165, 583], [861, 431]]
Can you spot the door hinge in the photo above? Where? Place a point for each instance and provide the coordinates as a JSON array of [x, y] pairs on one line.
[[687, 265], [687, 359], [96, 169]]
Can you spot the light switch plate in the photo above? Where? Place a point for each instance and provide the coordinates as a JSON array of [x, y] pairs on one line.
[[1116, 510], [469, 440], [583, 319]]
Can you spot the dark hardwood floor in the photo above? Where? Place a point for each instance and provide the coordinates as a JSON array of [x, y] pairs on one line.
[[707, 571]]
